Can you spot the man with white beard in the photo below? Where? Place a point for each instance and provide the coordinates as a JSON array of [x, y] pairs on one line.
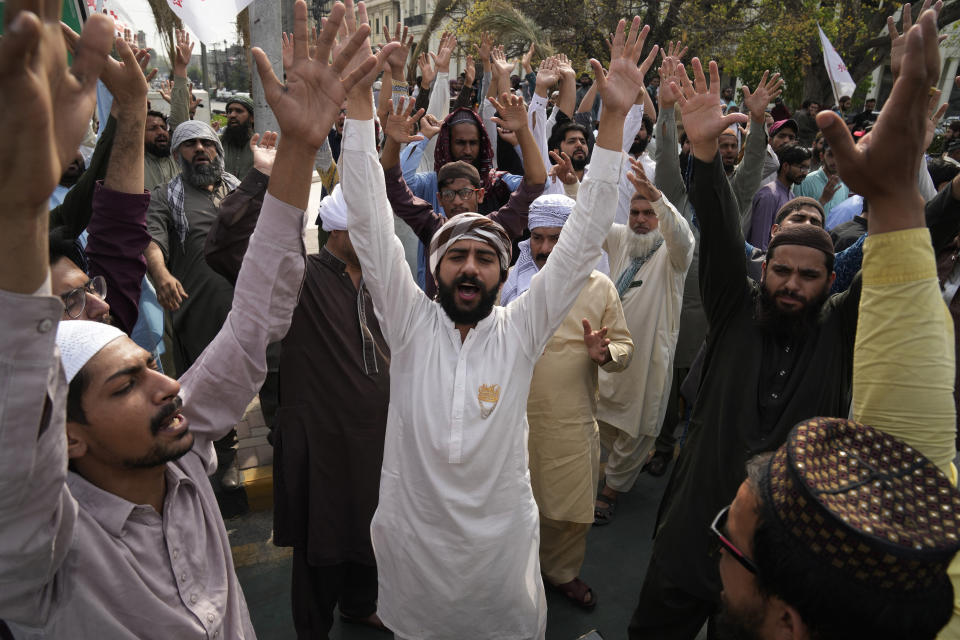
[[650, 257]]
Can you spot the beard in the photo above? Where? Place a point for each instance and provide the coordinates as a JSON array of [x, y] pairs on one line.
[[639, 146], [640, 244], [161, 452], [158, 150], [237, 135], [787, 324], [202, 175], [447, 297], [578, 162], [738, 625]]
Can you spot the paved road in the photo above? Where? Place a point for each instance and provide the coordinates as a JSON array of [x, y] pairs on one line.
[[617, 556]]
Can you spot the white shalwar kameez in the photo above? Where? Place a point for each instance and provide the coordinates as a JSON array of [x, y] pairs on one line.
[[456, 531]]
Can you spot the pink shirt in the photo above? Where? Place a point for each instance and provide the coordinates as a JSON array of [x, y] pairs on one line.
[[79, 562]]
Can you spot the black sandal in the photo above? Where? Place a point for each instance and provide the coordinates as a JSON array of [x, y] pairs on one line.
[[604, 515]]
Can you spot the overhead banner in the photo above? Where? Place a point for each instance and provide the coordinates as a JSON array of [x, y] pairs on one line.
[[203, 16]]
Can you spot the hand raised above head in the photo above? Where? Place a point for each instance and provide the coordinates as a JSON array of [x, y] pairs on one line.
[[307, 105], [512, 110], [264, 151], [702, 109], [399, 124], [885, 170], [620, 86]]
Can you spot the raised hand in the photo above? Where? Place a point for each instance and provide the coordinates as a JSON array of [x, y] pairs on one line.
[[307, 105], [702, 110], [510, 137], [765, 92], [597, 343], [562, 169], [448, 42], [886, 171], [548, 74], [46, 105], [264, 151], [469, 72], [501, 66], [398, 57], [935, 116], [183, 50], [512, 110], [527, 60], [638, 178], [669, 68], [898, 41], [564, 66], [286, 48], [399, 123], [124, 79], [484, 48], [619, 86], [427, 72], [429, 126], [166, 88]]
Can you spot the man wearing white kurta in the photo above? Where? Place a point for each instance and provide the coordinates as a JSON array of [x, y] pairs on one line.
[[649, 258], [456, 530]]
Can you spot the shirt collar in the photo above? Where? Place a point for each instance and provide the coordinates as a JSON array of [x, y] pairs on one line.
[[112, 511], [331, 260]]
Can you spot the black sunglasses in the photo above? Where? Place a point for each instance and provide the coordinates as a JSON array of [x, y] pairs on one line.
[[719, 523]]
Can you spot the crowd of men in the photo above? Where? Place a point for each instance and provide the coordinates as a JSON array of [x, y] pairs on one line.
[[526, 294]]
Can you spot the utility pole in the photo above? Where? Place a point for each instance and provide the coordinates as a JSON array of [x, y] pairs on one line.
[[265, 16], [203, 68]]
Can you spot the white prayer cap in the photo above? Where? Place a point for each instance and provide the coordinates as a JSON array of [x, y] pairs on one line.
[[80, 340], [549, 210], [333, 211]]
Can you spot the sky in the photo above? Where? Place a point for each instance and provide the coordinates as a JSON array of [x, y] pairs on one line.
[[139, 12]]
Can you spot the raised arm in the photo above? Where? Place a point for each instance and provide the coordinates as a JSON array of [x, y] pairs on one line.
[[723, 275], [180, 95], [540, 311], [669, 175], [45, 114], [903, 357], [439, 105], [118, 226], [746, 180], [677, 236]]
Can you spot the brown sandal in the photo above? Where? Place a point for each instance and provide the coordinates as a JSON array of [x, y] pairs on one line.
[[578, 592]]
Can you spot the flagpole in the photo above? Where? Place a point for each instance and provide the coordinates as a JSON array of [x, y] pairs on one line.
[[826, 63]]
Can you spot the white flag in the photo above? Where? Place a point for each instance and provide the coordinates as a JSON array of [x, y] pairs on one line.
[[843, 84], [202, 15]]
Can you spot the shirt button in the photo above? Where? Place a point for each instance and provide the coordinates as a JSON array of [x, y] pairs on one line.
[[193, 598], [787, 348], [209, 617], [176, 553], [774, 396], [183, 577], [45, 325], [783, 372]]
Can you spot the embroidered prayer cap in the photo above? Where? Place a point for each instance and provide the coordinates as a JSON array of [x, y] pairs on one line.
[[729, 131], [333, 211], [194, 130], [243, 101], [80, 340], [806, 235], [549, 210], [470, 226], [866, 504]]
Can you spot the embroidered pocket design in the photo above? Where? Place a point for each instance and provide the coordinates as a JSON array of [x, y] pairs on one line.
[[488, 395]]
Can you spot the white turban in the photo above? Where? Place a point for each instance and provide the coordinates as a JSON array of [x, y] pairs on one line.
[[333, 211], [195, 130], [80, 340], [549, 210]]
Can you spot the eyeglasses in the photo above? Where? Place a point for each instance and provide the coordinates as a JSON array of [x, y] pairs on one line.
[[76, 299], [448, 194], [720, 522]]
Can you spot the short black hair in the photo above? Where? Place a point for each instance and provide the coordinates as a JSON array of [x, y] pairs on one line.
[[157, 114], [831, 605], [648, 125], [941, 171], [63, 245], [78, 386], [560, 132], [954, 126], [792, 153]]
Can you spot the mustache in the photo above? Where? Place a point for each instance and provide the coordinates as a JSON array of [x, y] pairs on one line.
[[164, 414], [783, 293], [542, 256], [467, 279]]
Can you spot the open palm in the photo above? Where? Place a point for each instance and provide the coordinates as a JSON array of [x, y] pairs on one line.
[[625, 79]]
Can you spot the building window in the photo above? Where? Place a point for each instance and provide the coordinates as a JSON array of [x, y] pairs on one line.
[[386, 21], [377, 30]]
